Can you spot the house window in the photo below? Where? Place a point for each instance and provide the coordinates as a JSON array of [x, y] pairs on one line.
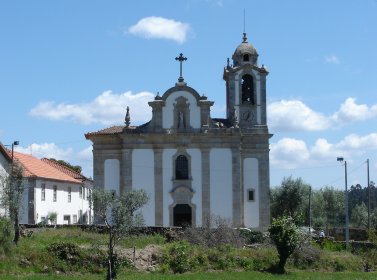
[[87, 194], [250, 195], [181, 168], [74, 219], [247, 89], [43, 192], [66, 219], [80, 192], [69, 194], [55, 194], [83, 192]]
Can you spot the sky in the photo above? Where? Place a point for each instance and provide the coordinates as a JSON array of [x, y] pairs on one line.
[[72, 67]]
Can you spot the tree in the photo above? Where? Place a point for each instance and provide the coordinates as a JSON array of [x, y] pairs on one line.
[[283, 233], [290, 199], [359, 217], [12, 195], [120, 216]]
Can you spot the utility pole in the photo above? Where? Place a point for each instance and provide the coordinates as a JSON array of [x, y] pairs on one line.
[[368, 194], [310, 209], [340, 159]]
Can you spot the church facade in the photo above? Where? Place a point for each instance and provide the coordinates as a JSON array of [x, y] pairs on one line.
[[194, 166]]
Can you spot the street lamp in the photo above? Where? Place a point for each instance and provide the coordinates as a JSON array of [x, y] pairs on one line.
[[15, 143], [341, 159], [368, 194]]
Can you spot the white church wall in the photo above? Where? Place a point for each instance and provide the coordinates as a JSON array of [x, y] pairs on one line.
[[143, 178], [167, 176], [251, 182], [221, 183], [112, 175], [168, 110], [196, 173]]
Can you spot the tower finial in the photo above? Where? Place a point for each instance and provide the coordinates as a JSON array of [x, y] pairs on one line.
[[127, 119]]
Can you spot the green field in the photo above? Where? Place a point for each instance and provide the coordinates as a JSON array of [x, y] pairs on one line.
[[33, 259], [211, 276]]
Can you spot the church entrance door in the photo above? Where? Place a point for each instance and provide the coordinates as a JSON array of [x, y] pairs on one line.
[[182, 215]]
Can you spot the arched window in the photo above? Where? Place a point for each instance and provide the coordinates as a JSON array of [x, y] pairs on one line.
[[181, 168], [245, 57], [247, 89]]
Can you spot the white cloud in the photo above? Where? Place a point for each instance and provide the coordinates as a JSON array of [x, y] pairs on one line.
[[47, 150], [108, 108], [86, 154], [294, 115], [350, 111], [292, 153], [161, 28], [288, 152], [332, 59]]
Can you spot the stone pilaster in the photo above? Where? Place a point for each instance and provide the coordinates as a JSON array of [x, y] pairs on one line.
[[264, 191], [263, 102], [206, 192], [236, 187], [158, 188], [98, 169], [126, 171]]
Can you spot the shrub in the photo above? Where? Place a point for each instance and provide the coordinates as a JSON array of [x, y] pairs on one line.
[[6, 236], [178, 256], [65, 251], [252, 236], [283, 233]]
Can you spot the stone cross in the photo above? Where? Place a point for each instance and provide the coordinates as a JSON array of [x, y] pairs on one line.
[[180, 58]]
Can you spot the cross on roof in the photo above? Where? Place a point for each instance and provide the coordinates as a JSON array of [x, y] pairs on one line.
[[180, 58]]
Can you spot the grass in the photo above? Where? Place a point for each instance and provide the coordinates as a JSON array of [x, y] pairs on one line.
[[31, 260], [210, 276]]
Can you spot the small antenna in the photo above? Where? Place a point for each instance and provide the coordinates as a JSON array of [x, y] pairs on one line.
[[244, 21]]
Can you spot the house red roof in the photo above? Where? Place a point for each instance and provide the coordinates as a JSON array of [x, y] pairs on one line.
[[34, 167], [65, 169]]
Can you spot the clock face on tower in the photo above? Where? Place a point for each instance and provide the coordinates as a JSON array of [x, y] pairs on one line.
[[247, 116]]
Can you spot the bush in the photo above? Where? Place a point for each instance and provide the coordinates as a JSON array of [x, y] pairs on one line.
[[65, 251], [178, 257], [252, 236], [6, 236]]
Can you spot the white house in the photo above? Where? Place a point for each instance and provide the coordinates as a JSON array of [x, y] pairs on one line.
[[193, 165], [53, 188]]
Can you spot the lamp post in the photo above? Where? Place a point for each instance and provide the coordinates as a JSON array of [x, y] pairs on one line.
[[15, 143], [341, 159]]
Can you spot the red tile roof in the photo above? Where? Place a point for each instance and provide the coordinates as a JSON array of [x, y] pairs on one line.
[[65, 169], [34, 167]]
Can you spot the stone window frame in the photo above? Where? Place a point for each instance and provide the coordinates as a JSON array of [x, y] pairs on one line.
[[181, 152], [69, 192], [248, 194]]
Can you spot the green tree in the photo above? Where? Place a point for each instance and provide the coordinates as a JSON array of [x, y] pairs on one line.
[[283, 233], [359, 217], [120, 215], [12, 190], [291, 199], [333, 206]]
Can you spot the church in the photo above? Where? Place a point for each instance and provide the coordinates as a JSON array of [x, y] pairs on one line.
[[194, 166]]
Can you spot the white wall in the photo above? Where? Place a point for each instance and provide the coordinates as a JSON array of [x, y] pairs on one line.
[[221, 183], [3, 174], [112, 175], [168, 110], [61, 206], [196, 173], [143, 178], [251, 181], [167, 176]]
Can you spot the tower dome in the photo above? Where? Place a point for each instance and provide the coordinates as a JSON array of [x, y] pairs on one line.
[[245, 53]]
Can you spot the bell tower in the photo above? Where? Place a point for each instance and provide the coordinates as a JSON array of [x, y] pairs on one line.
[[246, 87]]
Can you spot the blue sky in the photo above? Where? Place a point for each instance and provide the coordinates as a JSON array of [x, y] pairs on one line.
[[71, 67]]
